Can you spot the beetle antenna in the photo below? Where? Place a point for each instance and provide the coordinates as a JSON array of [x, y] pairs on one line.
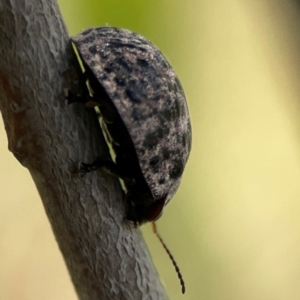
[[154, 229]]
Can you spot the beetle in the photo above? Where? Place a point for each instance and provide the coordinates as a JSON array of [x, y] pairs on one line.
[[145, 116]]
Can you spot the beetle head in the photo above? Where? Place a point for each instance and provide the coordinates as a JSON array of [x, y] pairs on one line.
[[143, 208]]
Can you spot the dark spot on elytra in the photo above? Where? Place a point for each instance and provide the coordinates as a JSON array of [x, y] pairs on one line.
[[103, 77], [183, 139], [84, 41], [161, 181], [108, 69], [130, 46], [156, 97], [119, 43], [154, 164], [134, 96], [166, 153], [172, 112], [177, 170], [152, 138], [154, 161], [142, 49], [138, 114], [143, 63], [116, 96], [166, 130], [169, 115], [122, 63], [93, 49], [120, 81], [92, 63]]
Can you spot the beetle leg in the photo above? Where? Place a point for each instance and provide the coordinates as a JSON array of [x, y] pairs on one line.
[[108, 166], [85, 97], [72, 98]]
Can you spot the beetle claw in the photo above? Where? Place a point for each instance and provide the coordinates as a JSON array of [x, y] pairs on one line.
[[84, 168], [71, 98]]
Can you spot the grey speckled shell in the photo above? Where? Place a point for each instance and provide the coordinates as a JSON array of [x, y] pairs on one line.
[[149, 98]]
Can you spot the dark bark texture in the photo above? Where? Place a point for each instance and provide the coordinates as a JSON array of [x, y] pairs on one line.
[[106, 257]]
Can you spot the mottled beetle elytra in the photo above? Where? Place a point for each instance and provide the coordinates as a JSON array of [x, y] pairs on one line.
[[145, 116]]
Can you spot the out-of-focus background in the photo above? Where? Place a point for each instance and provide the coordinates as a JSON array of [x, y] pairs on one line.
[[234, 225]]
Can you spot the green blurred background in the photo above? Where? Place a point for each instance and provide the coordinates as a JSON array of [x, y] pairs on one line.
[[234, 225]]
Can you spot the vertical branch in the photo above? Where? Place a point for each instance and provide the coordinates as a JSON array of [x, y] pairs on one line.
[[106, 257]]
